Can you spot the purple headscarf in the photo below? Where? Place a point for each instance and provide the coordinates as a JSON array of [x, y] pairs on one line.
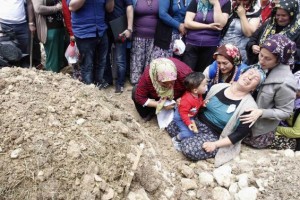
[[282, 47]]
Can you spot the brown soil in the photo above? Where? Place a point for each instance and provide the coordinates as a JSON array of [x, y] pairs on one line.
[[61, 139]]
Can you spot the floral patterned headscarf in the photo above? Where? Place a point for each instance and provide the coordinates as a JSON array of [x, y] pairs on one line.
[[162, 70], [282, 47], [292, 30], [231, 52]]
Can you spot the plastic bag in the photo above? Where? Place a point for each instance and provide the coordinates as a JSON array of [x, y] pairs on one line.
[[72, 53], [179, 47]]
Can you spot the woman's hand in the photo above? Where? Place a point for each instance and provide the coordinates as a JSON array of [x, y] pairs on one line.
[[215, 26], [182, 29], [170, 107], [251, 117], [255, 49], [209, 146], [59, 6], [213, 2], [241, 10]]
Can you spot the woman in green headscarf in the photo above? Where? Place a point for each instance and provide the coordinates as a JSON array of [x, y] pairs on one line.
[[285, 20]]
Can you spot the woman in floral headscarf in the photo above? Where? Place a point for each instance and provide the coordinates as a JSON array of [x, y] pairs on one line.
[[162, 80], [284, 20], [227, 65], [275, 98]]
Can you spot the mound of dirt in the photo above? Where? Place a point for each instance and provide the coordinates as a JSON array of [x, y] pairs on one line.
[[61, 139]]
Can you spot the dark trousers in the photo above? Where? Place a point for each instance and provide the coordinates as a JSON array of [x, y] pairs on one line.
[[143, 111], [198, 58]]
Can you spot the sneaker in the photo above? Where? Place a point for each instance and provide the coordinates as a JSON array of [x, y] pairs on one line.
[[176, 143], [119, 89], [103, 85]]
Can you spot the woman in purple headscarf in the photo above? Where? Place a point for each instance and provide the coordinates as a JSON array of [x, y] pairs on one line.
[[275, 98]]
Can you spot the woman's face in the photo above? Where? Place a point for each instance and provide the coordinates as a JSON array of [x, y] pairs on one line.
[[224, 64], [282, 17], [167, 84], [267, 60], [249, 79]]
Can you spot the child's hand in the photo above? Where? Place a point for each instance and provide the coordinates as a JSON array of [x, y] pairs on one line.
[[205, 102], [193, 127]]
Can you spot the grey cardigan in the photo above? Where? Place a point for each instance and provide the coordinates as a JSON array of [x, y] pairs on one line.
[[227, 153], [40, 10], [276, 97]]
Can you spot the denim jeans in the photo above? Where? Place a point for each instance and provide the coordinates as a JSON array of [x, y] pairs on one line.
[[22, 35], [93, 52], [184, 132], [120, 55]]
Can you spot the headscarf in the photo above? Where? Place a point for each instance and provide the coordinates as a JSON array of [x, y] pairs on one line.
[[282, 47], [292, 30], [162, 69], [232, 53], [252, 10], [262, 73]]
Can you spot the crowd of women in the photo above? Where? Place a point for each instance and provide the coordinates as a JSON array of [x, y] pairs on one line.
[[246, 49]]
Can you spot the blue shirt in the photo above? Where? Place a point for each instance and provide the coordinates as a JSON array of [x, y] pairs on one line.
[[179, 10], [89, 20]]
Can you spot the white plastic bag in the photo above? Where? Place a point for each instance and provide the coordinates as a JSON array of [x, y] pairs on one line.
[[179, 47], [72, 53]]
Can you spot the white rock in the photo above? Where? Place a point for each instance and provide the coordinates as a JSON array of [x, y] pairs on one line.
[[260, 183], [188, 184], [249, 193], [16, 153], [206, 179], [109, 194], [169, 192], [1, 149], [80, 121], [74, 149], [234, 188], [263, 161], [243, 180], [297, 154], [138, 195], [40, 176], [98, 178], [187, 171], [223, 175], [220, 193], [289, 153]]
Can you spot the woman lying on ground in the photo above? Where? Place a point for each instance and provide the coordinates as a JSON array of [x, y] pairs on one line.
[[220, 131]]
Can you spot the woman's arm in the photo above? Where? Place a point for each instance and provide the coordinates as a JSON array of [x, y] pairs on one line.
[[75, 5], [164, 14], [211, 146], [248, 27], [191, 24], [219, 16], [39, 8]]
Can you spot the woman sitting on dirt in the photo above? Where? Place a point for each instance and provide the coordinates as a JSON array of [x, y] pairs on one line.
[[162, 80], [275, 99], [227, 65], [220, 131]]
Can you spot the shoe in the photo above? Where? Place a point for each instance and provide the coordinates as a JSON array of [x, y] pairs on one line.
[[176, 143], [148, 117], [119, 89], [103, 85], [10, 52]]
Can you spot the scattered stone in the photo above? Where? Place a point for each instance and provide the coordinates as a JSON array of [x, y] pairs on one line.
[[74, 149], [109, 194], [138, 195], [249, 193], [80, 121], [243, 180], [40, 176], [188, 184], [234, 188], [289, 153], [187, 171], [206, 179], [223, 175], [16, 153], [220, 193]]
